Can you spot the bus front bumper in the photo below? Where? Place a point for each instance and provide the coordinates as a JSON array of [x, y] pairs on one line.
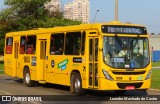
[[105, 84]]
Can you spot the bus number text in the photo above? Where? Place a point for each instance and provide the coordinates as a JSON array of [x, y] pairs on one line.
[[26, 59]]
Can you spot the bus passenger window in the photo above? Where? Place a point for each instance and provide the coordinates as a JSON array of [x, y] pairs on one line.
[[9, 44], [96, 49], [30, 49], [83, 43], [23, 44], [73, 43], [56, 44], [53, 51], [31, 44]]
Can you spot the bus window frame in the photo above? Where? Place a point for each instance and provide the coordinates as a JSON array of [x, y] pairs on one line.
[[83, 42], [74, 33], [24, 45], [34, 43], [58, 53], [10, 46]]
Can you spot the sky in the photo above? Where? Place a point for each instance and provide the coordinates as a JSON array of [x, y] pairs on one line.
[[143, 12]]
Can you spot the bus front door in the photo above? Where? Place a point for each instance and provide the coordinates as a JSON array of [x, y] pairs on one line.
[[43, 44], [93, 62]]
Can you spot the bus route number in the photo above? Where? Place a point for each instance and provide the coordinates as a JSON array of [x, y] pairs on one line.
[[26, 59]]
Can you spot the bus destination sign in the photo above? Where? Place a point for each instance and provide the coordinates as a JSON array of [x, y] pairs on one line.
[[124, 30]]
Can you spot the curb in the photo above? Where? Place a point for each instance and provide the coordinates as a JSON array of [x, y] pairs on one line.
[[154, 90]]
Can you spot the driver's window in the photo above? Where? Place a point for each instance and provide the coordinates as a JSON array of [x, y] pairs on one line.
[[141, 48], [136, 48], [145, 46]]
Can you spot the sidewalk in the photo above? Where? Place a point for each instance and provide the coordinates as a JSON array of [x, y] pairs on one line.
[[157, 67], [154, 90]]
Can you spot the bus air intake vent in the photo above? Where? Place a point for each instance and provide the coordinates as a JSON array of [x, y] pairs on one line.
[[124, 85], [129, 73]]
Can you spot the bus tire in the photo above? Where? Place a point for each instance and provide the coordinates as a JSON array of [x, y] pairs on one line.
[[120, 92], [71, 84], [27, 79], [77, 85]]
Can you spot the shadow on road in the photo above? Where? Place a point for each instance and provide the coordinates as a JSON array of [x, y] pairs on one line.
[[19, 80]]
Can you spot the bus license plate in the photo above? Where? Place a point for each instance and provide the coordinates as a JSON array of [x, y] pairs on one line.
[[130, 87]]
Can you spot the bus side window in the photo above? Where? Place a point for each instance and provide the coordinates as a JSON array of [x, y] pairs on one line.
[[9, 45], [73, 43], [23, 44], [57, 44], [83, 43], [96, 49], [31, 44]]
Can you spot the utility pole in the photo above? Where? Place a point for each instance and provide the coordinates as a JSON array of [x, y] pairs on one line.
[[116, 10]]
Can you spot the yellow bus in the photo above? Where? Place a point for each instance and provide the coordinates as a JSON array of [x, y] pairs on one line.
[[101, 56]]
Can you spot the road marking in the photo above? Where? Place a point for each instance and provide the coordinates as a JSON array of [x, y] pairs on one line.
[[5, 92]]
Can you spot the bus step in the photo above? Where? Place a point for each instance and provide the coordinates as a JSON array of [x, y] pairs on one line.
[[42, 82]]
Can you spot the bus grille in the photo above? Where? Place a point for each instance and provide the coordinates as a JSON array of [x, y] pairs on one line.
[[123, 85], [129, 73]]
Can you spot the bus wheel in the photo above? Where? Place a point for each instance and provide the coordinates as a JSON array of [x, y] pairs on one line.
[[120, 92], [77, 85], [27, 79], [71, 84]]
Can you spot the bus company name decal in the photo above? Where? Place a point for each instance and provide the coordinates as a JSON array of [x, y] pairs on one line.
[[63, 64]]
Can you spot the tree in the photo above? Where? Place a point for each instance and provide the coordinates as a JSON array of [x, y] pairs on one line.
[[152, 34], [28, 14]]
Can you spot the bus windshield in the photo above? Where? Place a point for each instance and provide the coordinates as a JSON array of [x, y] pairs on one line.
[[125, 52]]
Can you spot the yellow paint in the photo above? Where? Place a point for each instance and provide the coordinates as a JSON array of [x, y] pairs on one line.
[[44, 72]]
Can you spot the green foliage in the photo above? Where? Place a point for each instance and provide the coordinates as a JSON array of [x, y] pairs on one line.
[[1, 46], [1, 67], [155, 64], [155, 79], [28, 14]]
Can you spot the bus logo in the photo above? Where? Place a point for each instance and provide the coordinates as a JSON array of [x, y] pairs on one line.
[[63, 64]]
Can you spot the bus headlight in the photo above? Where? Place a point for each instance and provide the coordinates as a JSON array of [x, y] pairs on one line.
[[148, 75], [106, 74]]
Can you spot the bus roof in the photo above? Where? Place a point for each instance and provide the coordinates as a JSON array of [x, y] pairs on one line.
[[69, 28]]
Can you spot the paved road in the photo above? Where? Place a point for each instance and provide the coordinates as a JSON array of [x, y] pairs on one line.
[[10, 86]]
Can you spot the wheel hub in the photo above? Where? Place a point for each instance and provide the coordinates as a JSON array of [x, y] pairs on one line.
[[77, 84], [27, 78]]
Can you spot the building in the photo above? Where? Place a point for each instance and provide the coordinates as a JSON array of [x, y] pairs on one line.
[[155, 47], [81, 10], [68, 12], [78, 10], [53, 6]]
